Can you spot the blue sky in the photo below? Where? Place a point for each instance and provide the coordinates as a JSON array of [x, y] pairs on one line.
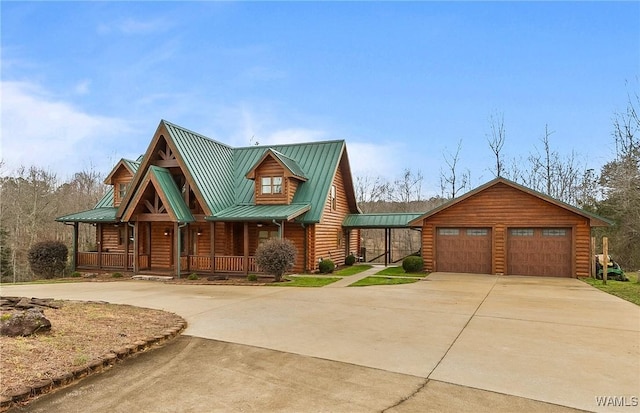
[[84, 83]]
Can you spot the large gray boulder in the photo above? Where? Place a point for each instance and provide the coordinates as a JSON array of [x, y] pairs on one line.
[[24, 323]]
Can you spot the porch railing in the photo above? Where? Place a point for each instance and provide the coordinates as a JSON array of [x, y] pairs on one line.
[[115, 260]]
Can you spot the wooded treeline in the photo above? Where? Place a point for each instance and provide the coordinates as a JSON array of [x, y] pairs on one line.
[[31, 198]]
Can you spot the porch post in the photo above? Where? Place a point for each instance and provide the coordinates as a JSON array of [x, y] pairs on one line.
[[136, 245], [126, 247], [386, 246], [212, 247], [74, 256], [176, 248], [99, 235], [246, 248]]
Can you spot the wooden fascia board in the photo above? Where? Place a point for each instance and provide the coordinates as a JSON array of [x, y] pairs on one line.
[[251, 174], [348, 180], [142, 170], [120, 164]]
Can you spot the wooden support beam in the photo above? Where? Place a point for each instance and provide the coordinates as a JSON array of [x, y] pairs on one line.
[[212, 248], [246, 248], [74, 257]]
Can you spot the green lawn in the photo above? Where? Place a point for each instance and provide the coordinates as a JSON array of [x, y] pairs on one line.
[[399, 271], [306, 282], [627, 290], [354, 269], [383, 281]]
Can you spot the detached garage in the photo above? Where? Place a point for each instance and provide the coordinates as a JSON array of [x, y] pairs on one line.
[[504, 228]]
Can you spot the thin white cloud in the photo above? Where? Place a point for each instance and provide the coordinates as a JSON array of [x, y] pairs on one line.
[[130, 26], [40, 130], [375, 159], [82, 87]]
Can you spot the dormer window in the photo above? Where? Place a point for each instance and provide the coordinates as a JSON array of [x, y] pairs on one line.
[[271, 185], [122, 190]]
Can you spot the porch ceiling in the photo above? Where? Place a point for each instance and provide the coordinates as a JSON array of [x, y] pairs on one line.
[[260, 212]]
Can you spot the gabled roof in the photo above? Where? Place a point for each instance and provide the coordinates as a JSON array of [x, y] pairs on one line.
[[168, 192], [98, 214], [218, 172], [131, 166], [205, 162], [287, 163], [318, 160], [261, 212], [384, 220], [595, 220], [208, 162]]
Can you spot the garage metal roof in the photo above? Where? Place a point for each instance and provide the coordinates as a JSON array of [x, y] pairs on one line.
[[397, 220]]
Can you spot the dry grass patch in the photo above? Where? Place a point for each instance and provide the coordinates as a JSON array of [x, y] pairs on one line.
[[80, 333]]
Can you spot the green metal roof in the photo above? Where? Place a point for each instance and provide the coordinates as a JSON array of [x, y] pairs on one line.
[[260, 212], [290, 164], [107, 199], [218, 172], [167, 186], [209, 163], [319, 161], [132, 165], [98, 214], [398, 220]]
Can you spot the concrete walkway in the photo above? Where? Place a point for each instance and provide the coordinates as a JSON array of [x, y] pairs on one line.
[[347, 281], [451, 342]]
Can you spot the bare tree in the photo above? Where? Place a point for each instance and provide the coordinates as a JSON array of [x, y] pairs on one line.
[[370, 190], [620, 180], [451, 183], [29, 203], [407, 188], [496, 140]]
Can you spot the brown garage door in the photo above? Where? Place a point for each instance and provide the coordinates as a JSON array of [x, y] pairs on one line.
[[539, 251], [463, 250]]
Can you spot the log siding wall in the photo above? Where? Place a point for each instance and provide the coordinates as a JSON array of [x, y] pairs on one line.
[[330, 239]]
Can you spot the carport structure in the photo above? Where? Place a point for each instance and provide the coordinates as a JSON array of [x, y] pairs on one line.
[[384, 221], [505, 228]]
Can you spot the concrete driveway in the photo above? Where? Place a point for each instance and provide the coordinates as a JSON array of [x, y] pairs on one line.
[[453, 342]]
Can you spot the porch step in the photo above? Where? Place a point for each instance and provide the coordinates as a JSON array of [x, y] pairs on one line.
[[152, 277]]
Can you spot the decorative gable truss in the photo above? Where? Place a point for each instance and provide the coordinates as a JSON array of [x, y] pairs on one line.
[[158, 199]]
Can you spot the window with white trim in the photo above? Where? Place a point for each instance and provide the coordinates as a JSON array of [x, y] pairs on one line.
[[122, 190], [271, 185]]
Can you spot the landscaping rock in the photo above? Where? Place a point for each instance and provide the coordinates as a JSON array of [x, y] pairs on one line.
[[24, 323]]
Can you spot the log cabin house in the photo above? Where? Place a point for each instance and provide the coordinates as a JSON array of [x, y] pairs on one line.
[[192, 204]]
